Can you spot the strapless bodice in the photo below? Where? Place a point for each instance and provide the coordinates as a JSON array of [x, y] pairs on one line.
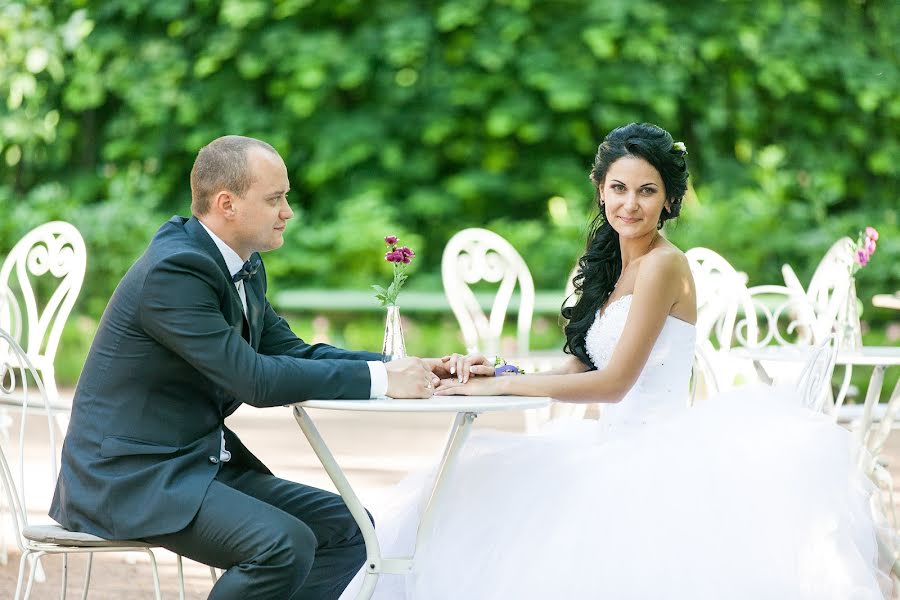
[[662, 386]]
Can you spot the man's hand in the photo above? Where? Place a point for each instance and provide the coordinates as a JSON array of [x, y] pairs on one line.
[[410, 378], [461, 366]]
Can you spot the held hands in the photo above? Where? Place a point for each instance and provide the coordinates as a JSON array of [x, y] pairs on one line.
[[410, 378], [457, 371], [461, 367]]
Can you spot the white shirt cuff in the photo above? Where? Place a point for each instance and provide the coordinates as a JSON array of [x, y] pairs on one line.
[[378, 375]]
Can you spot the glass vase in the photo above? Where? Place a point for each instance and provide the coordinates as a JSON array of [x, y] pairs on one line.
[[849, 330], [393, 347]]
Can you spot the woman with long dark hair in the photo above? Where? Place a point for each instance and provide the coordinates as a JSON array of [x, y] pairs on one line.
[[747, 496]]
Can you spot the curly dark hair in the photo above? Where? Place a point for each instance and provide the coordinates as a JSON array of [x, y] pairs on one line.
[[601, 265]]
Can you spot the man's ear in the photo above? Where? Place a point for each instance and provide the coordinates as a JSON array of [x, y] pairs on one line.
[[223, 203]]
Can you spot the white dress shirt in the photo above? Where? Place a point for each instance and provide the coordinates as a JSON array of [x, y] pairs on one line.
[[377, 370]]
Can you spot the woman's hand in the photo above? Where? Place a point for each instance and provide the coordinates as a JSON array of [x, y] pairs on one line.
[[476, 386], [461, 367]]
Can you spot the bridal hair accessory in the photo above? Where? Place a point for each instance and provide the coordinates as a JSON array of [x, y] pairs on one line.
[[248, 270], [680, 148], [502, 368]]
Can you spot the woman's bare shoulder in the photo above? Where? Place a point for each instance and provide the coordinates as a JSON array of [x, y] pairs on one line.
[[665, 259]]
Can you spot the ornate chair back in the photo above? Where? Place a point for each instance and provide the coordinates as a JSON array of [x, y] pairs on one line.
[[41, 278], [475, 255], [780, 315], [721, 298], [829, 286]]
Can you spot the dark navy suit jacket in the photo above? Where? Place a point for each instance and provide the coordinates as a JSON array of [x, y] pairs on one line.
[[168, 364]]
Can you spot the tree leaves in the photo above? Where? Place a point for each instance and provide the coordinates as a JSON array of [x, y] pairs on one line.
[[430, 118]]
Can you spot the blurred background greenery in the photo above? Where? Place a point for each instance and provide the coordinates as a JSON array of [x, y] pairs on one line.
[[422, 118]]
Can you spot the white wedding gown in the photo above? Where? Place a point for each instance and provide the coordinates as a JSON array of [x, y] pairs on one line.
[[744, 497]]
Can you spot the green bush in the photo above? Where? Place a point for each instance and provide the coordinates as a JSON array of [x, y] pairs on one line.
[[421, 119]]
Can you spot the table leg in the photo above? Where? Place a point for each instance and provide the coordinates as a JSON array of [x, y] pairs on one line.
[[374, 563], [459, 433]]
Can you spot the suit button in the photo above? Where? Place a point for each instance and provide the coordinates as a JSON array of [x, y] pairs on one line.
[[214, 459]]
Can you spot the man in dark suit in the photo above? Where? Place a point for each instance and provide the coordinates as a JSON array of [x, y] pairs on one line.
[[186, 338]]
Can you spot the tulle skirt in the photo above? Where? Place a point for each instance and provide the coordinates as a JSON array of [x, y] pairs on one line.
[[744, 497]]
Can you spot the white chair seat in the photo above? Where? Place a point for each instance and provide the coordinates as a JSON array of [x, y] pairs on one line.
[[52, 533]]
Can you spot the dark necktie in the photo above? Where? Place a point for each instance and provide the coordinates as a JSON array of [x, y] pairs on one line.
[[248, 270]]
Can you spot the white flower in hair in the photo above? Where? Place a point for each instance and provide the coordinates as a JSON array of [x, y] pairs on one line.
[[680, 147]]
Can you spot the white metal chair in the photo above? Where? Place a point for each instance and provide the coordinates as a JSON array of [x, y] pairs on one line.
[[721, 296], [722, 299], [831, 292], [829, 286], [475, 255], [41, 278], [28, 469]]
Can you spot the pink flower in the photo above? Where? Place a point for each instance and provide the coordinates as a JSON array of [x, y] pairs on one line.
[[862, 258], [870, 246], [872, 233], [399, 258]]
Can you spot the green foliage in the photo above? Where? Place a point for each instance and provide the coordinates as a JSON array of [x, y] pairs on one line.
[[421, 119]]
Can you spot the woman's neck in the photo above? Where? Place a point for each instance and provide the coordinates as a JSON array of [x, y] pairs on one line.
[[635, 248]]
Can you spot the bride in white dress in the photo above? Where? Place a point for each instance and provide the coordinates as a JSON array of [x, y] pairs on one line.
[[747, 496]]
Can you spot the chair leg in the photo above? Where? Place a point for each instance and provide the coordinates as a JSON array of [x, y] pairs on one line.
[[26, 556], [155, 574], [214, 574], [87, 575], [883, 476], [4, 510], [65, 577], [39, 575], [35, 561], [180, 577]]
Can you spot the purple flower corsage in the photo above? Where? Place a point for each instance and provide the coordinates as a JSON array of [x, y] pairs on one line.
[[501, 368]]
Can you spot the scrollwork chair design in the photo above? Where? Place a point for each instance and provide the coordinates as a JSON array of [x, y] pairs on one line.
[[474, 255], [722, 298], [48, 261], [829, 286]]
